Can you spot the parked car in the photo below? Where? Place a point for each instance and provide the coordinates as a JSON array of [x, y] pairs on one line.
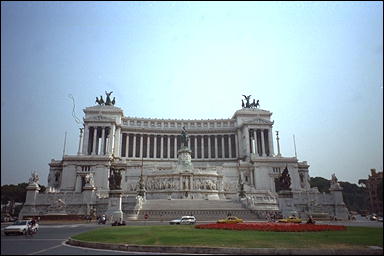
[[230, 220], [187, 220], [20, 227], [290, 219], [380, 219]]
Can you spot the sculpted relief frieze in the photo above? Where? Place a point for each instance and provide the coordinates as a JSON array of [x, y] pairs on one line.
[[181, 182]]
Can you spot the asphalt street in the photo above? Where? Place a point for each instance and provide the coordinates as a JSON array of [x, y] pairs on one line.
[[50, 239]]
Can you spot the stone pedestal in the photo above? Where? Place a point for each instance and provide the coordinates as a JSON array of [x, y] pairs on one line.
[[89, 197], [340, 210], [286, 203], [32, 191], [114, 212], [29, 207], [184, 159]]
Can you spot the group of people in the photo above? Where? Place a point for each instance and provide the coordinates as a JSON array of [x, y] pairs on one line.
[[272, 217]]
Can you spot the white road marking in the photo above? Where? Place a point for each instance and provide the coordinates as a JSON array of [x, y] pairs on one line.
[[44, 250], [33, 239]]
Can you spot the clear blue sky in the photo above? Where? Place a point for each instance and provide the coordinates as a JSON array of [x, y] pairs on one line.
[[316, 65]]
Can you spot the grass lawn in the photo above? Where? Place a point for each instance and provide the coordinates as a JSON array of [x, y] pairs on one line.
[[353, 237]]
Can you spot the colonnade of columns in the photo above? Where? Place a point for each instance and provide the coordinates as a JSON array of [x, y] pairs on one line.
[[98, 140], [261, 142], [138, 145]]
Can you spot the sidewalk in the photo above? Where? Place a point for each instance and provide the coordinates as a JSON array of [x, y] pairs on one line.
[[221, 250]]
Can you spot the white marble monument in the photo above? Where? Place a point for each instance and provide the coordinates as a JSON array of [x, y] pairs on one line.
[[180, 163]]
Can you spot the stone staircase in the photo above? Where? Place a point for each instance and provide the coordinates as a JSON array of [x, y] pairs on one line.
[[207, 210]]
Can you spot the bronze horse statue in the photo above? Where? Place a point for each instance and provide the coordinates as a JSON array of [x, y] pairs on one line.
[[100, 101]]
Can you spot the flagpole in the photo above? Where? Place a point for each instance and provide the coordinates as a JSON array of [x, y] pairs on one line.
[[294, 144], [65, 141]]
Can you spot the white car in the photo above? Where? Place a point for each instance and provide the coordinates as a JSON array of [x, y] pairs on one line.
[[20, 227], [187, 220]]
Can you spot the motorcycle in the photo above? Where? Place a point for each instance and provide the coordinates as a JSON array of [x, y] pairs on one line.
[[31, 231], [102, 220]]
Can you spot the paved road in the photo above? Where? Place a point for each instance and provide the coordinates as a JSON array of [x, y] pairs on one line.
[[50, 239]]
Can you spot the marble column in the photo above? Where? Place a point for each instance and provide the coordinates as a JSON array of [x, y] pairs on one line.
[[246, 142], [161, 146], [86, 140], [148, 144], [229, 146], [102, 141], [155, 146], [168, 146], [262, 142], [209, 147], [216, 148], [134, 146], [278, 144], [202, 146], [270, 139], [112, 141], [116, 141], [175, 145], [94, 141], [255, 136], [127, 145], [195, 146], [222, 147], [239, 146], [236, 147], [141, 145]]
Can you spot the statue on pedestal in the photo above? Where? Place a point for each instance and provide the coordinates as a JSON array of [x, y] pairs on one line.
[[285, 180], [115, 180], [334, 183], [184, 138], [34, 179], [141, 186]]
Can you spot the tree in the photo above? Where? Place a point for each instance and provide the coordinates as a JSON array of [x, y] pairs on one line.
[[321, 183], [356, 198], [16, 193]]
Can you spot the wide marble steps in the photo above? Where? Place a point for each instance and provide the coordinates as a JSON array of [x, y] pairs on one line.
[[207, 210], [184, 204]]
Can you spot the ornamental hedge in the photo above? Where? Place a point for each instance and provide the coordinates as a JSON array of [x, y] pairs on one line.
[[275, 227]]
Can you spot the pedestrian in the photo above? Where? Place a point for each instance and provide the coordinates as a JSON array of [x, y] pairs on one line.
[[310, 220]]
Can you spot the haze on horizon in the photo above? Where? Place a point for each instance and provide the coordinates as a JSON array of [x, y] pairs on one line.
[[317, 66]]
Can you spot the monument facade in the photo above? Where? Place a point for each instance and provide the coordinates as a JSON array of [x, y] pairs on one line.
[[128, 165]]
